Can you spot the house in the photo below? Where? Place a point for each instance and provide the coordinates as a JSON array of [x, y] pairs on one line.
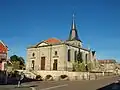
[[108, 65], [3, 55]]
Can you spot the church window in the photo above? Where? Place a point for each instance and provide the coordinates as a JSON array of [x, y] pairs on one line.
[[75, 56], [33, 64], [55, 52], [86, 58], [33, 54], [69, 55]]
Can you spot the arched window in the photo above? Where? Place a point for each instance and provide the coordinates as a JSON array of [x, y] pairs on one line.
[[69, 55], [55, 52], [75, 56], [33, 64], [86, 58], [33, 54]]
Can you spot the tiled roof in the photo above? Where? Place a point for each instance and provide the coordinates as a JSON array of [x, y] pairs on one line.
[[52, 41], [3, 47], [107, 61]]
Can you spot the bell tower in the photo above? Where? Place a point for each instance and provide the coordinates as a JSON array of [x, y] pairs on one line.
[[73, 36]]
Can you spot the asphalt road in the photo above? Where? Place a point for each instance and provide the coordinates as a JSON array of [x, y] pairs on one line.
[[101, 84]]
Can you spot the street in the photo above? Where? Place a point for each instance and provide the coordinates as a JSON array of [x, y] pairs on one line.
[[65, 85]]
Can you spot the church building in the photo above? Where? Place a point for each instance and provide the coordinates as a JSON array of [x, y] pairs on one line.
[[55, 54]]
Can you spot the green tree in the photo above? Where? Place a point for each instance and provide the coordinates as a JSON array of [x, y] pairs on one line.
[[17, 62], [79, 67], [14, 58], [79, 57], [89, 66], [22, 62], [82, 67]]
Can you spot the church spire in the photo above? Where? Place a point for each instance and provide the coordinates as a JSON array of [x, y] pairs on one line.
[[73, 33], [73, 23]]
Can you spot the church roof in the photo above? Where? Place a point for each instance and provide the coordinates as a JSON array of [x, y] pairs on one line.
[[53, 41], [107, 61]]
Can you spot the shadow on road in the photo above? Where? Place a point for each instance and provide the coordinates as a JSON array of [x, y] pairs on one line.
[[12, 78], [113, 86], [14, 81]]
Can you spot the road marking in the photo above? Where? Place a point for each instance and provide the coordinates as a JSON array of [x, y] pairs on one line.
[[54, 87]]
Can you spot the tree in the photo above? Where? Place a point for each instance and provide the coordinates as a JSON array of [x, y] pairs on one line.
[[22, 62], [79, 67], [79, 57], [17, 62], [89, 66], [14, 58]]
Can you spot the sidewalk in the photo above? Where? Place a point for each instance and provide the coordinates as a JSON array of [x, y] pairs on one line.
[[103, 77]]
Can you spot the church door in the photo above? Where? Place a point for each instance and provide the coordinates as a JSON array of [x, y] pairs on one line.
[[55, 64], [42, 63]]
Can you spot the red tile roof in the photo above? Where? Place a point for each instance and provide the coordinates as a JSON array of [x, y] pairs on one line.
[[107, 61], [52, 41], [3, 47]]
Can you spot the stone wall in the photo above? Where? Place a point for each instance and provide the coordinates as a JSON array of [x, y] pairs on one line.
[[71, 75], [63, 75]]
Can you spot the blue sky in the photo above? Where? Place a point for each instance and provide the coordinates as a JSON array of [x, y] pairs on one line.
[[27, 22]]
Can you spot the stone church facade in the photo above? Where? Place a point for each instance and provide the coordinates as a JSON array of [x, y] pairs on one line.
[[54, 54]]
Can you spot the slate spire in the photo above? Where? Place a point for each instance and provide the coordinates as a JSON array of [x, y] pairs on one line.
[[73, 32]]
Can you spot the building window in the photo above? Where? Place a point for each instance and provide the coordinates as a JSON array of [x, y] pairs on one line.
[[33, 54], [42, 63], [69, 55], [75, 56], [86, 58], [33, 64], [55, 52]]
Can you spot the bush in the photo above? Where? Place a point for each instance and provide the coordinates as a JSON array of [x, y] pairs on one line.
[[89, 66], [79, 67]]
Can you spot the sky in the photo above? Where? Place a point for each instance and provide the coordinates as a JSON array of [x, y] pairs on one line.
[[27, 22]]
